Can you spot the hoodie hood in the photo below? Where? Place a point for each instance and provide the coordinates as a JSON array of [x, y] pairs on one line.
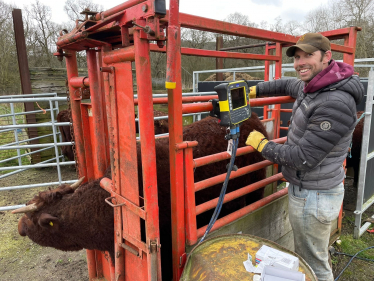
[[335, 72], [338, 75]]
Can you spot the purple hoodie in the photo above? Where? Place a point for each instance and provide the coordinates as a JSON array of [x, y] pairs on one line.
[[335, 72]]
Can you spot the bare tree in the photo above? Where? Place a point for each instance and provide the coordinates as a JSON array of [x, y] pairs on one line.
[[43, 33], [73, 8]]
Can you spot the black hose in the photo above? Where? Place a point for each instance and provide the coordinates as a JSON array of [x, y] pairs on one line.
[[351, 261], [348, 255], [223, 192]]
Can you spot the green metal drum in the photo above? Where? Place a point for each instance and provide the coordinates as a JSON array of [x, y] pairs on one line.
[[222, 257]]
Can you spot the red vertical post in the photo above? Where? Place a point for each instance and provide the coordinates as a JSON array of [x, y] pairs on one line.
[[174, 86], [148, 152], [111, 110], [278, 64], [103, 105], [267, 63], [266, 76], [72, 71], [350, 41], [97, 136], [190, 204]]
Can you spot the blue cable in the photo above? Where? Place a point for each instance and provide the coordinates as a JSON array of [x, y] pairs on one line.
[[351, 261], [224, 187]]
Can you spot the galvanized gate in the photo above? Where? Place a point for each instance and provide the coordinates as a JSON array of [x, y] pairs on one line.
[[105, 129], [365, 187]]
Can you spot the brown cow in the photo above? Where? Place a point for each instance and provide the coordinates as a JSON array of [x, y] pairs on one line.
[[68, 220], [66, 134], [354, 161], [161, 127]]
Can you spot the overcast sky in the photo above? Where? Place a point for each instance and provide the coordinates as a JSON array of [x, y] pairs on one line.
[[257, 10]]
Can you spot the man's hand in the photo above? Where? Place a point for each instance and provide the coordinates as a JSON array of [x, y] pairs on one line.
[[252, 92], [256, 140]]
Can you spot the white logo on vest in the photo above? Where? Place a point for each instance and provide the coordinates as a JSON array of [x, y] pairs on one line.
[[325, 125]]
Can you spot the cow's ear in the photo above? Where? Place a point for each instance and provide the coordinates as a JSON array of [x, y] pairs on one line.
[[48, 221]]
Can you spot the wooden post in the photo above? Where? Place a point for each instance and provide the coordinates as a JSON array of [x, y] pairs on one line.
[[23, 66]]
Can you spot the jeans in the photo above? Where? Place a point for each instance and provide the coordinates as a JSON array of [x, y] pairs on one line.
[[311, 213]]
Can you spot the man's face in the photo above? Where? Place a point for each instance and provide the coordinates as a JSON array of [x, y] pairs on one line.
[[308, 66]]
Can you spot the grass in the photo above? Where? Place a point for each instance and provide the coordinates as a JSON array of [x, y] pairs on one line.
[[8, 137]]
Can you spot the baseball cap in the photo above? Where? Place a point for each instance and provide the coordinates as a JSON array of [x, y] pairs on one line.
[[309, 43]]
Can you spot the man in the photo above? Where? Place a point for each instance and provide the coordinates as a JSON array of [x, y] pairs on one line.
[[320, 131]]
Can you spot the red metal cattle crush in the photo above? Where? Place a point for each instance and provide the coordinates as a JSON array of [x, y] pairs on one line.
[[105, 128]]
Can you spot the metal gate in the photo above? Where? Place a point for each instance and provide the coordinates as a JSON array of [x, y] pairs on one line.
[[365, 187], [14, 138]]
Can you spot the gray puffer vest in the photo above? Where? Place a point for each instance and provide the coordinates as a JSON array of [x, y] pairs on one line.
[[320, 131]]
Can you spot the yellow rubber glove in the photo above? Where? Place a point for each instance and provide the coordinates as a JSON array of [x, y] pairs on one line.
[[252, 92], [256, 140]]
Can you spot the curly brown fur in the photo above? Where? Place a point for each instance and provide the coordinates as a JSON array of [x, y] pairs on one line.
[[161, 126], [63, 116]]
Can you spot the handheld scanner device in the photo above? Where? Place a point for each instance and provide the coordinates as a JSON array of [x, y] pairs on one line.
[[232, 106]]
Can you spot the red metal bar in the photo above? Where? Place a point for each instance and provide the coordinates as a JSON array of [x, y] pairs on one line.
[[79, 82], [129, 171], [217, 54], [174, 86], [278, 63], [118, 8], [189, 187], [186, 144], [234, 174], [237, 193], [286, 110], [112, 117], [91, 264], [184, 99], [267, 64], [119, 55], [68, 39], [246, 210], [147, 142], [205, 24], [103, 105], [198, 162], [97, 134], [72, 71], [207, 106], [338, 33], [283, 128], [350, 41]]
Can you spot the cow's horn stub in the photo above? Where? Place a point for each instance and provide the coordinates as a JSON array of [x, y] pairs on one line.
[[77, 183], [29, 208]]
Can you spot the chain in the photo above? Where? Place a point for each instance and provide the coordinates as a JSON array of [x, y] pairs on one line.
[[72, 130]]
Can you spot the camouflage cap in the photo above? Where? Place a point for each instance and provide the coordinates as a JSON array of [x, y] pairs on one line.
[[309, 43]]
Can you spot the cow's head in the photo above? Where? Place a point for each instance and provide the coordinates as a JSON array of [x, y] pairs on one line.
[[45, 220]]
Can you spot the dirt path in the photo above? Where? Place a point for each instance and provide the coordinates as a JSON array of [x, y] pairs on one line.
[[20, 258]]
